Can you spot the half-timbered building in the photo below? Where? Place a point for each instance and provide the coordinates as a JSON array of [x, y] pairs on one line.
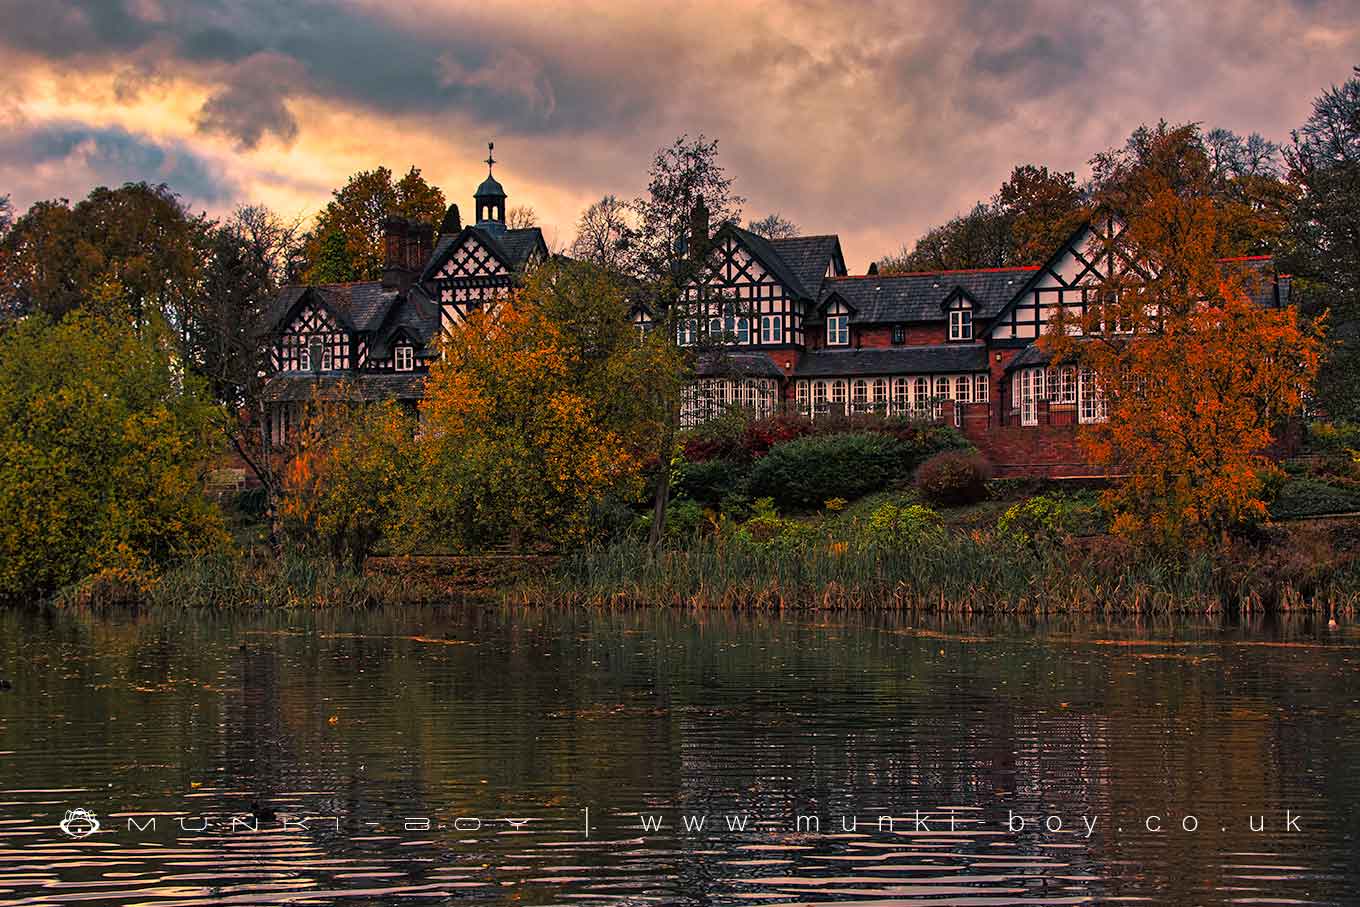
[[782, 325], [375, 339], [776, 324]]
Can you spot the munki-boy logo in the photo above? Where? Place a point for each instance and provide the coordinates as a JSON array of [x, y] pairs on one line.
[[79, 823]]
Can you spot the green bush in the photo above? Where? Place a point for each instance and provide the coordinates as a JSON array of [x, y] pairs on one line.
[[900, 525], [768, 531], [1039, 521], [807, 471], [1304, 497], [712, 481], [953, 478]]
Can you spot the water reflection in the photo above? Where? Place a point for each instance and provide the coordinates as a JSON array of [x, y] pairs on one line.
[[453, 755]]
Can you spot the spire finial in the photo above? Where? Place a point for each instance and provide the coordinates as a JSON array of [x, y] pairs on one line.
[[490, 147]]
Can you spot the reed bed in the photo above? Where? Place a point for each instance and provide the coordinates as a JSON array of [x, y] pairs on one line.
[[961, 575]]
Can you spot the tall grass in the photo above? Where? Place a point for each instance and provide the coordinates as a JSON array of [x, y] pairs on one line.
[[958, 575]]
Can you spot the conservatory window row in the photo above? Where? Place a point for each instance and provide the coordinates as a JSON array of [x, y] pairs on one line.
[[710, 397], [1065, 386], [918, 395]]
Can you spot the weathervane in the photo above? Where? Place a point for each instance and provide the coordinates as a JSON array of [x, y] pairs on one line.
[[490, 147]]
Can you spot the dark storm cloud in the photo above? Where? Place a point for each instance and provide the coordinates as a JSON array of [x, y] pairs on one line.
[[877, 118], [114, 156]]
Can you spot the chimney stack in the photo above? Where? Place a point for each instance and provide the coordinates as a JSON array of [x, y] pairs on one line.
[[395, 272], [419, 247], [698, 229]]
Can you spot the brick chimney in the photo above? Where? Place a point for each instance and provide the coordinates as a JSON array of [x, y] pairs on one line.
[[698, 229], [396, 272], [419, 247]]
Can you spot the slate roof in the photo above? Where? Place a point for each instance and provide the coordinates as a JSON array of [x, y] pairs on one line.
[[920, 296], [285, 387], [418, 316], [360, 306], [770, 256], [892, 360], [808, 257], [723, 364], [515, 246], [1260, 280]]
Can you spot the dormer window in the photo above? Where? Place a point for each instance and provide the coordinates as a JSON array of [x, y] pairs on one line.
[[899, 334], [404, 358], [838, 330], [961, 324]]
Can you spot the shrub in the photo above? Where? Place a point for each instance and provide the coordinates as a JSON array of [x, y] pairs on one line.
[[1305, 497], [768, 531], [1037, 522], [712, 481], [807, 471], [900, 525], [953, 478], [719, 438], [763, 434]]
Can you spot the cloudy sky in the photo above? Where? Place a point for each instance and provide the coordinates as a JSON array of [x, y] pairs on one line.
[[873, 120]]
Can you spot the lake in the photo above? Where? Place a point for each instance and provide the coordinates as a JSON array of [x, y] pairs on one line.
[[473, 755]]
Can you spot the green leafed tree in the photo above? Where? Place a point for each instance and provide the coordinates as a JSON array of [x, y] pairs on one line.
[[103, 446], [1323, 240], [356, 214]]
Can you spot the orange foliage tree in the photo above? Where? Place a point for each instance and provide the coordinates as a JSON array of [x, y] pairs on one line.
[[1195, 377], [529, 420], [351, 480]]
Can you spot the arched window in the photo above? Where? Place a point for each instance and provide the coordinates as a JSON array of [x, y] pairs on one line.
[[838, 395], [860, 394], [801, 393], [818, 397], [963, 389], [941, 388], [881, 395], [688, 332], [921, 398], [901, 395], [980, 389]]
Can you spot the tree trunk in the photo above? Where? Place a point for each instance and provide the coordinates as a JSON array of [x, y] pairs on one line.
[[659, 504]]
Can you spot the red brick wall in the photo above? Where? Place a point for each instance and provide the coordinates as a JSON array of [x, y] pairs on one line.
[[877, 335]]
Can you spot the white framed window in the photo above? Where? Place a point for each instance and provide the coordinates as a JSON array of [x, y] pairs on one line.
[[963, 389], [859, 395], [981, 389], [737, 329], [838, 395], [901, 395], [1066, 388], [1090, 401], [961, 324], [800, 391], [1030, 387], [304, 358], [921, 396], [771, 328], [838, 330], [880, 390], [819, 396], [687, 332], [327, 358], [404, 358], [941, 388]]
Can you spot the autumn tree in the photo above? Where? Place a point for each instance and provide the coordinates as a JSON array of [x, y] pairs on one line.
[[352, 479], [773, 226], [525, 431], [356, 214], [1323, 239], [139, 238], [104, 442], [604, 235], [1195, 378], [979, 239]]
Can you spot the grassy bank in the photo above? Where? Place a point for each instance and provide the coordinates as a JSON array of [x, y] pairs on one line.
[[1298, 569]]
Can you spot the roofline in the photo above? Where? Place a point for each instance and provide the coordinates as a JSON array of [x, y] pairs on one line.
[[937, 273]]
